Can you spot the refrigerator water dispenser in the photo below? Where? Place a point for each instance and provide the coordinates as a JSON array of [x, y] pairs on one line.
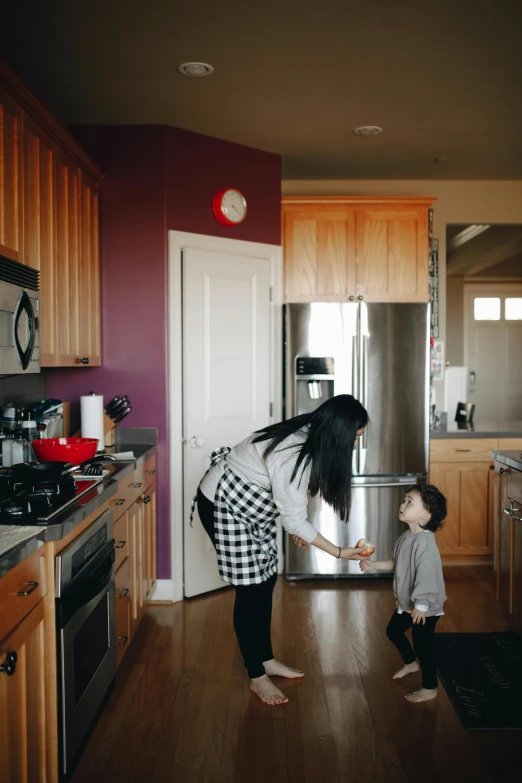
[[314, 382]]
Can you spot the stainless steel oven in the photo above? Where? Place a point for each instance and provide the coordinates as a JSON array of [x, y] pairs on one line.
[[86, 629], [19, 318]]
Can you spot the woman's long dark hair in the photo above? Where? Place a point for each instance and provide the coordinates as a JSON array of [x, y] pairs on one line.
[[332, 430]]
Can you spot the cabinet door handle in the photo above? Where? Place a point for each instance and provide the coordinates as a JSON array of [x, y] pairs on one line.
[[118, 502], [122, 592], [462, 450], [32, 588], [9, 667], [147, 499], [137, 485], [124, 642], [513, 516], [120, 545]]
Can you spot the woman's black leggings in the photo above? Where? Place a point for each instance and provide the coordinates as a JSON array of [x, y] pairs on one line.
[[252, 607], [422, 637]]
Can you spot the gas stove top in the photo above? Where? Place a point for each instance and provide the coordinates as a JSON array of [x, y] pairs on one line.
[[38, 503]]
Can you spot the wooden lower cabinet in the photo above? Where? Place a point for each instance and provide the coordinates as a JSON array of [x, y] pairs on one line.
[[468, 487], [23, 749], [123, 609], [509, 544]]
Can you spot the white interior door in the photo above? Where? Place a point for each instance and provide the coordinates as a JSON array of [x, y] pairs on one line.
[[493, 333], [227, 369]]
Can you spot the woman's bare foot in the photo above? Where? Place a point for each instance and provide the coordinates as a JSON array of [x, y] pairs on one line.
[[408, 668], [267, 691], [424, 694], [276, 668]]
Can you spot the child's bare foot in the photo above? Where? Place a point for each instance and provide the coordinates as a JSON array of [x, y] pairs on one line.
[[424, 694], [274, 668], [408, 668], [267, 691]]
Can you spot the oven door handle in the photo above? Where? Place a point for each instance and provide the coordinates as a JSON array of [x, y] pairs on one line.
[[75, 600]]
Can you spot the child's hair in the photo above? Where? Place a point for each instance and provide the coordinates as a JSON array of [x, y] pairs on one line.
[[433, 501]]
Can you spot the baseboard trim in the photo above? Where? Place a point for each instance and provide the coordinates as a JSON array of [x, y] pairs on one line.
[[163, 592]]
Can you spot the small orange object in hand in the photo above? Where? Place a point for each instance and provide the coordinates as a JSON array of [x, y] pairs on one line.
[[367, 547]]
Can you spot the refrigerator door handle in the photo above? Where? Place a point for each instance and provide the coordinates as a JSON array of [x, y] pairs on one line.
[[364, 384], [385, 484], [355, 393]]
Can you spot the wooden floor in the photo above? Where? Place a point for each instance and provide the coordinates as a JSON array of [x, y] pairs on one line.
[[181, 710]]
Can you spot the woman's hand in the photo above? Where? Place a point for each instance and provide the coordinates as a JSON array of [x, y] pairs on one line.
[[300, 543], [351, 553], [367, 565]]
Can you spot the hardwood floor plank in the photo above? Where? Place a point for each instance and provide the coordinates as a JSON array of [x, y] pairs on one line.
[[182, 710]]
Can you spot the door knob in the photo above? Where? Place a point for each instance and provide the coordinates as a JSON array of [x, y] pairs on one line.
[[196, 443]]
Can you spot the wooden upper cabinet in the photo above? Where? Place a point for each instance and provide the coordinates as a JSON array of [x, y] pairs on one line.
[[372, 249], [67, 303], [89, 272], [39, 227], [11, 208], [49, 220]]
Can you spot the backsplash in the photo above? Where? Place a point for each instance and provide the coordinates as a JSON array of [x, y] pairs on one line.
[[23, 389]]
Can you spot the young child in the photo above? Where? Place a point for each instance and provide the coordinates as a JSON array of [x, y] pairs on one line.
[[418, 585]]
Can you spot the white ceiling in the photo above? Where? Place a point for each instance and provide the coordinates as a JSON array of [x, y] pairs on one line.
[[294, 77]]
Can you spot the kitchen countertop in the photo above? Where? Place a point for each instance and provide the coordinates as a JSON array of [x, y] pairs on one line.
[[512, 459], [479, 429], [19, 541]]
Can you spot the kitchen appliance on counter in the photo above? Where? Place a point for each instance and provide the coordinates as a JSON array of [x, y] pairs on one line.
[[86, 634], [19, 318], [380, 354]]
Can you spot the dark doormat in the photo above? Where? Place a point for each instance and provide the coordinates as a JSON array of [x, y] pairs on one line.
[[482, 675]]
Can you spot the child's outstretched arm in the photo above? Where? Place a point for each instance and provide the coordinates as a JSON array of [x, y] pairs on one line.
[[376, 565]]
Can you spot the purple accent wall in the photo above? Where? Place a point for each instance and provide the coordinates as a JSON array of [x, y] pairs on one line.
[[158, 178]]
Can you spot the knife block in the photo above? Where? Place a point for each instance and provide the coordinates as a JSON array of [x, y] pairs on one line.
[[109, 435]]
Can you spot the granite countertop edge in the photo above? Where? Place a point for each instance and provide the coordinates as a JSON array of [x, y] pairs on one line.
[[74, 515], [443, 434]]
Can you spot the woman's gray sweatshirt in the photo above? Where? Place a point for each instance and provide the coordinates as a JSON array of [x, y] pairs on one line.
[[418, 575]]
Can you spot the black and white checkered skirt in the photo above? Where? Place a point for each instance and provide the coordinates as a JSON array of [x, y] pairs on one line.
[[245, 528]]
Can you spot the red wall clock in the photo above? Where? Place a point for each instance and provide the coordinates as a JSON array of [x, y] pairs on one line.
[[229, 207]]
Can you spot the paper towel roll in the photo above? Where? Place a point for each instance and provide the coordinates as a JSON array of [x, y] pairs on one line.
[[91, 409]]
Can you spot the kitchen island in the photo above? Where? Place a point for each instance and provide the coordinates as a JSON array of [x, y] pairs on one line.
[[462, 466], [508, 535]]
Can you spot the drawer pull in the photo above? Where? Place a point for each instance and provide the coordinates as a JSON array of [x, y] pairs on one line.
[[463, 450], [137, 485], [151, 472], [120, 545], [118, 502], [9, 667], [32, 588], [513, 516], [124, 642], [146, 499], [122, 592]]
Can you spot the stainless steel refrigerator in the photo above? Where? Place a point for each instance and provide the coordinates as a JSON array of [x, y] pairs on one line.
[[380, 354]]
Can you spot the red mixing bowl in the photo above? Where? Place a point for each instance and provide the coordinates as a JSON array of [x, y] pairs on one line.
[[75, 450]]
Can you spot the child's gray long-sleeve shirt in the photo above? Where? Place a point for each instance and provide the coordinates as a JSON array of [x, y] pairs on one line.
[[418, 581]]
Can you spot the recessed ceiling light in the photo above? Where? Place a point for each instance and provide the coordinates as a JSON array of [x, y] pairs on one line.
[[195, 69], [368, 130]]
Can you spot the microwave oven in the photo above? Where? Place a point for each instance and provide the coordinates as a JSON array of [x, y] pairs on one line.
[[19, 318]]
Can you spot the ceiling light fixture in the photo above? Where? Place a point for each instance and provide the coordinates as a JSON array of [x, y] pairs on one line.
[[368, 130], [195, 69]]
